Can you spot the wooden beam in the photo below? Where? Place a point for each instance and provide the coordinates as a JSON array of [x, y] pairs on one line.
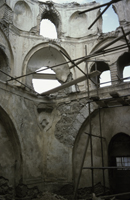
[[78, 80], [44, 76]]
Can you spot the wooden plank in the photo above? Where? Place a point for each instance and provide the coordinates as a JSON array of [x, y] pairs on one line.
[[44, 76], [78, 80]]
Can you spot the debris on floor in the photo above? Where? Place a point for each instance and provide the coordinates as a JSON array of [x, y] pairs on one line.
[[23, 192], [86, 192], [50, 196]]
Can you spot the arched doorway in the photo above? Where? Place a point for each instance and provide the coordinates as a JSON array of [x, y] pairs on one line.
[[119, 156]]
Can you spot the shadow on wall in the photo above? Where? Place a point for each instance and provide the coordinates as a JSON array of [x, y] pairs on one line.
[[10, 152], [4, 65]]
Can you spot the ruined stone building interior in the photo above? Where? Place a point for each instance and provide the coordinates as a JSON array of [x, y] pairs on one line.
[[76, 135]]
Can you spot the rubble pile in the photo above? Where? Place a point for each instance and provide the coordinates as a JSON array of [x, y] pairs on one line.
[[50, 196], [22, 192], [6, 192], [66, 191], [86, 193]]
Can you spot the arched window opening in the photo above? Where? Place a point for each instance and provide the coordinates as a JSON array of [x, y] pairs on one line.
[[48, 29], [110, 15], [44, 80], [126, 73], [123, 64], [104, 79]]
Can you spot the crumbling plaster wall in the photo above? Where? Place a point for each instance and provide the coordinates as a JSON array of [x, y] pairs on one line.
[[42, 159], [44, 151], [122, 10], [25, 36], [24, 11], [23, 39], [72, 22], [47, 136], [22, 115]]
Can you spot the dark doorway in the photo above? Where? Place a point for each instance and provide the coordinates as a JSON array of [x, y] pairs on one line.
[[119, 156]]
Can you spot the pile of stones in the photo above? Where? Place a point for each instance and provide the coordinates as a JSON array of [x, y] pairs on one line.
[[6, 192], [21, 191]]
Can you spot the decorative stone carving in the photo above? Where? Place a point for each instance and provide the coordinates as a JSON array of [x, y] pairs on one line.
[[44, 123], [44, 112]]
